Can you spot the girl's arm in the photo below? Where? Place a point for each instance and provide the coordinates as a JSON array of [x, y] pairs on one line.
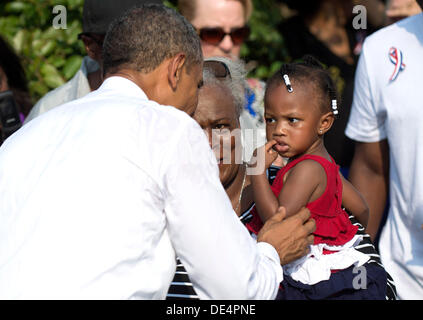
[[304, 183], [354, 202], [264, 198]]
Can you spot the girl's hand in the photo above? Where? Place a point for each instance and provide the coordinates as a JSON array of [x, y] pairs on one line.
[[270, 154], [262, 158]]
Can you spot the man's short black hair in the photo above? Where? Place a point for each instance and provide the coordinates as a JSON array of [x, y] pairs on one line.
[[147, 35]]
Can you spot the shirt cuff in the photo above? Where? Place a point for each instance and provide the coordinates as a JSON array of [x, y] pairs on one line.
[[270, 252]]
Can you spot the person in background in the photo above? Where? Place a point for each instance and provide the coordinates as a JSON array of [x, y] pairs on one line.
[[324, 29], [400, 9], [13, 78], [385, 122], [99, 195], [223, 27], [96, 18]]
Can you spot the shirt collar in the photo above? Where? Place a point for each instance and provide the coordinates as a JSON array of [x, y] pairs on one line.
[[123, 86]]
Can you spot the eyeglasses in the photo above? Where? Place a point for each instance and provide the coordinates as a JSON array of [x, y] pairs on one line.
[[215, 35], [218, 68]]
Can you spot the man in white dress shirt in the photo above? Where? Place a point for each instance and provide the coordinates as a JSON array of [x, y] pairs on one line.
[[98, 195]]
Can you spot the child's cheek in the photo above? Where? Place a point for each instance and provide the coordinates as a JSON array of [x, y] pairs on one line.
[[269, 132]]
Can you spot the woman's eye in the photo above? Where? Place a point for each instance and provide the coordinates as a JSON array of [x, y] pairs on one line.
[[221, 126]]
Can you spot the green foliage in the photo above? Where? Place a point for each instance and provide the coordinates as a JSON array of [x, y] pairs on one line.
[[52, 56], [264, 49], [49, 56]]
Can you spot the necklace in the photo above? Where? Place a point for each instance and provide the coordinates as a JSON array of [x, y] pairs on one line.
[[242, 188]]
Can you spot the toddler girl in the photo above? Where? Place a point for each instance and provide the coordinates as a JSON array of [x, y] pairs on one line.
[[300, 107]]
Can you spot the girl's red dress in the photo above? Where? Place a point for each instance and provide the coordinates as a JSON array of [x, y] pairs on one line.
[[333, 226]]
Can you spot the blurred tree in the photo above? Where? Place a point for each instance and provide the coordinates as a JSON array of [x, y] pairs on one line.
[[52, 56], [264, 50]]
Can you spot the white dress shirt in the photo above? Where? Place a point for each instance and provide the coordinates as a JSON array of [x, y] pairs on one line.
[[98, 196]]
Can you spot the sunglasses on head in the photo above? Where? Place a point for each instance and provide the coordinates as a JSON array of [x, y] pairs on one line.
[[218, 68], [215, 35]]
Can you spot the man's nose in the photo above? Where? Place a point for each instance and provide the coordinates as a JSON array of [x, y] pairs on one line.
[[226, 44]]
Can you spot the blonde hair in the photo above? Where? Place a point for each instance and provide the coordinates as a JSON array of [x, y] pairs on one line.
[[187, 8]]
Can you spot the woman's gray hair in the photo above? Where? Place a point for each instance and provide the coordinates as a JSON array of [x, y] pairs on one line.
[[236, 83]]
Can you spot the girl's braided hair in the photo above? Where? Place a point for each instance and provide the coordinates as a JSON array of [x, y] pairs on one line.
[[308, 70]]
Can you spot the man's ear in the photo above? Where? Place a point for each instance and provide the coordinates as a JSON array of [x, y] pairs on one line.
[[175, 69], [326, 122], [92, 47]]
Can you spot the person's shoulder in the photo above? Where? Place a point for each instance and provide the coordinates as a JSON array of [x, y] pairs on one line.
[[308, 164], [414, 21], [308, 168], [395, 31], [55, 95], [171, 112], [52, 99], [177, 119]]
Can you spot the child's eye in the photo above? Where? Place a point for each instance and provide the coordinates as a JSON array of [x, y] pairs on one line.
[[293, 120], [269, 120]]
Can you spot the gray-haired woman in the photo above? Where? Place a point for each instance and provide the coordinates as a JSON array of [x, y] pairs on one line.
[[220, 102]]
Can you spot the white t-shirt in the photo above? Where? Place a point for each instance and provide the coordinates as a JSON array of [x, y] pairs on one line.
[[75, 88], [98, 196], [388, 104]]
